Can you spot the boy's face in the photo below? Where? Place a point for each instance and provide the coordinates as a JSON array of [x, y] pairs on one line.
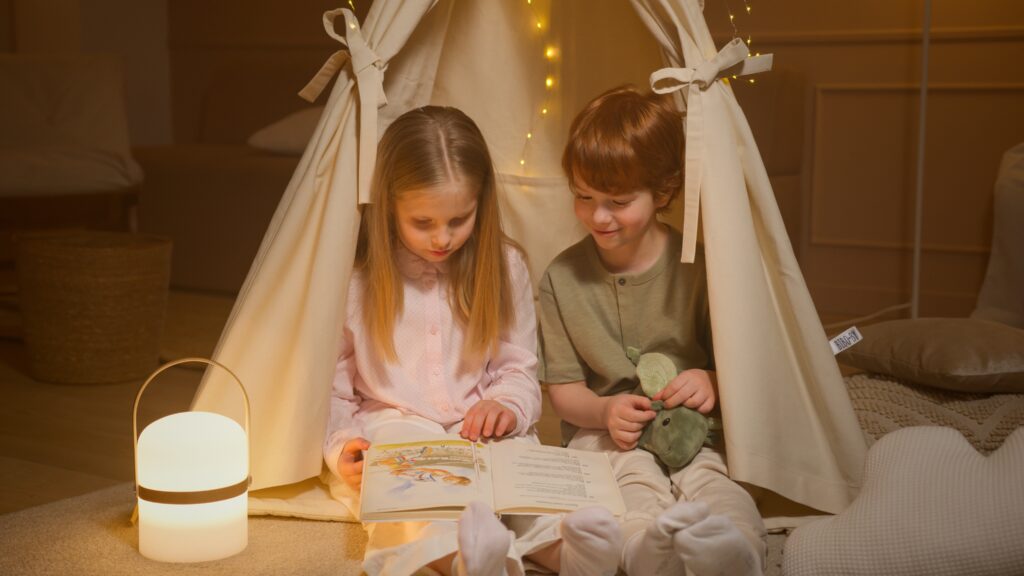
[[433, 223], [616, 220]]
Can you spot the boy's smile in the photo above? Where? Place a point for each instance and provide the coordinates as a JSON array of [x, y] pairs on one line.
[[623, 225]]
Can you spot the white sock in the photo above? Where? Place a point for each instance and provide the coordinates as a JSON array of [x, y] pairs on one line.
[[591, 543], [714, 546], [483, 542], [653, 550]]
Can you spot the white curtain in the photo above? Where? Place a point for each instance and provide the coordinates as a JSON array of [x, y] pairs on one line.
[[789, 423], [283, 334]]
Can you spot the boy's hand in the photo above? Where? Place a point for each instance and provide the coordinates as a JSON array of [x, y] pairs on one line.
[[692, 388], [625, 416], [350, 463], [487, 419]]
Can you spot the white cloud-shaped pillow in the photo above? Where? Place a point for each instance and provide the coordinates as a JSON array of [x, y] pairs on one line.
[[290, 134], [931, 505]]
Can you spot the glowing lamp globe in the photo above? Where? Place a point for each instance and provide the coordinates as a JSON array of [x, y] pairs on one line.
[[192, 481]]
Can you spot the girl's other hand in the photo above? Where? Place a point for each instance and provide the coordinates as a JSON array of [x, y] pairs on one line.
[[625, 416], [692, 388], [350, 463], [487, 419]]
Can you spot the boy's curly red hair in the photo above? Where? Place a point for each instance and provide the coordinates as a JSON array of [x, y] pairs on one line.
[[624, 141]]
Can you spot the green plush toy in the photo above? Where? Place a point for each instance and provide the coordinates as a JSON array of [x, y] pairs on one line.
[[676, 435]]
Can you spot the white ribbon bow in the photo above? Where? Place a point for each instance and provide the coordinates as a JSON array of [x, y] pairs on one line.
[[696, 81], [369, 73]]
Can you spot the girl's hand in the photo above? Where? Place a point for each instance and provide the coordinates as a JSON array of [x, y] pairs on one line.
[[350, 463], [691, 388], [625, 416], [487, 419]]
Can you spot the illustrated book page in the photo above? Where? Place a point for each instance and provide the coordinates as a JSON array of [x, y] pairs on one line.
[[436, 478]]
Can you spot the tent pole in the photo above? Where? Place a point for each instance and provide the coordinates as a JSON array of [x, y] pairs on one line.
[[915, 290]]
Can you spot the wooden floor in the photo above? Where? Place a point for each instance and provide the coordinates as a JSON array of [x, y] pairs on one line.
[[61, 440]]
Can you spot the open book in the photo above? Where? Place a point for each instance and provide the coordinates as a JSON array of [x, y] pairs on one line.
[[436, 478]]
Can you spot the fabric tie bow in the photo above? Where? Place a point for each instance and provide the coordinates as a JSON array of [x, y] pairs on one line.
[[696, 81], [369, 73]]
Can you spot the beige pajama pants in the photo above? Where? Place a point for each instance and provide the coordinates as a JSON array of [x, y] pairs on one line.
[[647, 490]]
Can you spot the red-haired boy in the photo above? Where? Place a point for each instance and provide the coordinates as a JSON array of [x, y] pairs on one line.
[[623, 286]]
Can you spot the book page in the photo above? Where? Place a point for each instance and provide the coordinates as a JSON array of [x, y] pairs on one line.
[[535, 479], [428, 479]]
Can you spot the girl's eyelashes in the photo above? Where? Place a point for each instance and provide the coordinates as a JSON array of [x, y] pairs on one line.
[[622, 202], [424, 224]]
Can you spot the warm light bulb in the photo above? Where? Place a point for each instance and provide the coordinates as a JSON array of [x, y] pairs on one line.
[[529, 135], [539, 25], [751, 80], [748, 8], [522, 162], [732, 17], [549, 81], [549, 53], [544, 111]]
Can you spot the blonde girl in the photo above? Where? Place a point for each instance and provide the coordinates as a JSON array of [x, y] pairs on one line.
[[440, 336]]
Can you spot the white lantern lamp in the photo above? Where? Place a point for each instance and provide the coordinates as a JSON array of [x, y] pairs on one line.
[[192, 481]]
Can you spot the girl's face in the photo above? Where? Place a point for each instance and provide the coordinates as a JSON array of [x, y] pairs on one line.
[[433, 223], [616, 221]]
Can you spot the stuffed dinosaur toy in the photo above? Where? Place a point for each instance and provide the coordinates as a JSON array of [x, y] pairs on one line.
[[676, 435]]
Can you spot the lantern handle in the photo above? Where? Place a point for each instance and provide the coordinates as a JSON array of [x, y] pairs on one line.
[[138, 396]]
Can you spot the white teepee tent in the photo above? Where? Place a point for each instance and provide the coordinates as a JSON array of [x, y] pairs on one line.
[[790, 426]]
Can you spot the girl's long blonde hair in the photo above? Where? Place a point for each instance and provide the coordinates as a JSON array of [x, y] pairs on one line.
[[423, 148]]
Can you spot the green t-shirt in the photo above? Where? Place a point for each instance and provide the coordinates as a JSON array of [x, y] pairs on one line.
[[589, 317]]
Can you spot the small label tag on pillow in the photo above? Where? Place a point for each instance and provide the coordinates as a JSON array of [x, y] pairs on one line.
[[848, 338]]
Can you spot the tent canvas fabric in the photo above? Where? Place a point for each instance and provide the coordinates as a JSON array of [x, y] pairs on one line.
[[790, 427]]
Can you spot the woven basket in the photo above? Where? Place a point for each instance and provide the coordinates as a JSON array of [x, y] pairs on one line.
[[93, 303]]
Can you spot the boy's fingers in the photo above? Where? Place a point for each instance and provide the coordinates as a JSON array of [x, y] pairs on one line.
[[696, 400], [706, 406]]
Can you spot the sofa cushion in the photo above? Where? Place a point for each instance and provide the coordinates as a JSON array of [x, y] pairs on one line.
[[960, 354]]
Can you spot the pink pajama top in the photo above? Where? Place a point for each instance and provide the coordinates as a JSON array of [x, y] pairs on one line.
[[427, 380]]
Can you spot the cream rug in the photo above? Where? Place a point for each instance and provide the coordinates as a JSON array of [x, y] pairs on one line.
[[90, 535]]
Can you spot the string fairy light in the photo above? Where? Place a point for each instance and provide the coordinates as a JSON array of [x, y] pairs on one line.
[[550, 55], [736, 33]]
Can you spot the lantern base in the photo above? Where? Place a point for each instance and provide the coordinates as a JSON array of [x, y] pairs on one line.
[[193, 532]]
